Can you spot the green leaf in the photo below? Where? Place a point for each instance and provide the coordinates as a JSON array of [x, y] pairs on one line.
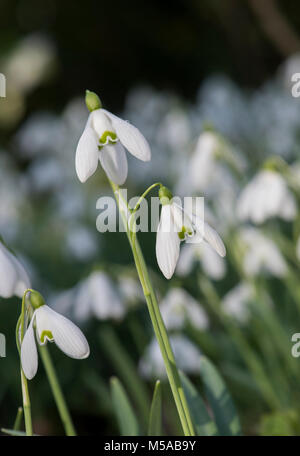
[[15, 433], [125, 415], [219, 399], [203, 423], [155, 425]]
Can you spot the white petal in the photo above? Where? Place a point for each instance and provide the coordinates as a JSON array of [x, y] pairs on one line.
[[23, 281], [114, 162], [167, 243], [86, 160], [212, 237], [8, 273], [29, 356], [130, 137], [66, 335]]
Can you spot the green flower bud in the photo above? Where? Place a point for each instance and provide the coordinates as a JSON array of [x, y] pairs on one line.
[[92, 101], [36, 299], [165, 195]]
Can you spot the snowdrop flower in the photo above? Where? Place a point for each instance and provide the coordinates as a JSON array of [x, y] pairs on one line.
[[175, 226], [212, 264], [186, 354], [261, 254], [235, 302], [13, 277], [48, 325], [265, 196], [104, 138], [179, 306]]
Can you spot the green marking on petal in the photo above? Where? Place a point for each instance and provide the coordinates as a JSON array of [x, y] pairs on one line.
[[47, 334], [108, 137], [182, 233]]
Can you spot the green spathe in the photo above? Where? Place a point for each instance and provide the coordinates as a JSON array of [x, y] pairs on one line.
[[92, 101]]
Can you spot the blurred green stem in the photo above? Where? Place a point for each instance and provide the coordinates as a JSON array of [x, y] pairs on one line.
[[57, 391], [158, 324], [17, 423]]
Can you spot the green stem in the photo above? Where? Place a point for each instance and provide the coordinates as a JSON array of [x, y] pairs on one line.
[[159, 328], [57, 391]]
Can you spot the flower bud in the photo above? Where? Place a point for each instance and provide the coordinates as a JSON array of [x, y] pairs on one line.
[[92, 101], [36, 299]]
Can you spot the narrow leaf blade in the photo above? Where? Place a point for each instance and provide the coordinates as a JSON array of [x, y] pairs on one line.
[[125, 415]]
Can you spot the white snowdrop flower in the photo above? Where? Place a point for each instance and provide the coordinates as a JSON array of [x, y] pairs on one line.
[[176, 225], [265, 196], [261, 254], [104, 138], [48, 325], [97, 296], [178, 306], [212, 264], [186, 354], [236, 301], [13, 277]]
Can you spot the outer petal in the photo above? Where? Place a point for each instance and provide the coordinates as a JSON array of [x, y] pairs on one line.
[[66, 335], [86, 159], [167, 243], [210, 235], [8, 273], [29, 356], [114, 162], [130, 137]]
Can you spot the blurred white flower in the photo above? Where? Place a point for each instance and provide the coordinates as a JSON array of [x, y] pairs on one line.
[[176, 225], [178, 306], [97, 296], [261, 254], [104, 138], [265, 196], [213, 265], [235, 302], [187, 357], [13, 277], [53, 327]]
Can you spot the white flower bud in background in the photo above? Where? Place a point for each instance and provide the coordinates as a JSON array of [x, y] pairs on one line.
[[179, 307], [265, 196], [186, 354]]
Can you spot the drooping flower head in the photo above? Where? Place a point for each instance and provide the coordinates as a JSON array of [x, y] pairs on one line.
[[104, 138], [48, 325], [177, 225]]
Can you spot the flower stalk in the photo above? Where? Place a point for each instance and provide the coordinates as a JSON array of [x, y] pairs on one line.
[[158, 325]]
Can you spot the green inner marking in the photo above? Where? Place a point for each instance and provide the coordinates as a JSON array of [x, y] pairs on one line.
[[47, 334], [108, 136]]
